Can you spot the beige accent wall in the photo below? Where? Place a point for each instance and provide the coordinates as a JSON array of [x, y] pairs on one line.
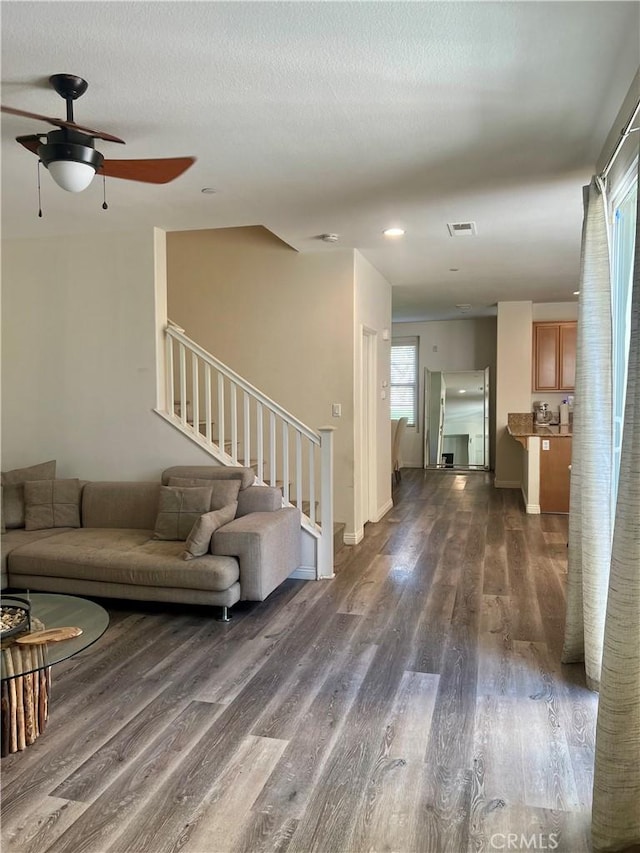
[[282, 320], [513, 386], [79, 358], [459, 345]]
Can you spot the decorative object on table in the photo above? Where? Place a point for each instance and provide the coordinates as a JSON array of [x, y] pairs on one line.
[[51, 635], [15, 615]]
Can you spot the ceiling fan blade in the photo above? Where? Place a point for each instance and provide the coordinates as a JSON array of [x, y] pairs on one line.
[[59, 122], [149, 171], [31, 143]]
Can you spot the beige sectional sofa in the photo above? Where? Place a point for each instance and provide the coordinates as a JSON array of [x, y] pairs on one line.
[[113, 553]]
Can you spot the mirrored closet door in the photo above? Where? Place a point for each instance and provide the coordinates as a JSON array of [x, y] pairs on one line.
[[456, 418]]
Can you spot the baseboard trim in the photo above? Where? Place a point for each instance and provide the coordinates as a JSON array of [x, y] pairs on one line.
[[304, 573], [354, 538], [383, 510], [507, 484], [532, 509]]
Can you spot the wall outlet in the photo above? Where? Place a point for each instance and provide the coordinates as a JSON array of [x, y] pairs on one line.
[[545, 444]]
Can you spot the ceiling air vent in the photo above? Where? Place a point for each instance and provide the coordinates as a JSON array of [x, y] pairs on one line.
[[460, 229]]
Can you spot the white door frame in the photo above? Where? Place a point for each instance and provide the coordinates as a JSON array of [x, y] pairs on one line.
[[368, 431]]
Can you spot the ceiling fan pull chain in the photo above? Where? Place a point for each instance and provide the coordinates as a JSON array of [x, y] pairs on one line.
[[39, 196], [105, 206]]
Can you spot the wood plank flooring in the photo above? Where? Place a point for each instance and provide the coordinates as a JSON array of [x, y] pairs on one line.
[[415, 703]]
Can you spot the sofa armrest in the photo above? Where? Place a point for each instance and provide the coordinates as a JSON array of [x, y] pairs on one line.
[[267, 545]]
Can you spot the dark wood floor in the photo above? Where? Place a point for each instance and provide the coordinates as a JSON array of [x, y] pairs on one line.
[[415, 703]]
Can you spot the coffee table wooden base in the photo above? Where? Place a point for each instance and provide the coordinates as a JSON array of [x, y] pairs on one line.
[[24, 704]]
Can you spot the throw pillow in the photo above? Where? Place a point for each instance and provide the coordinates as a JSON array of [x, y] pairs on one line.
[[51, 503], [13, 490], [179, 509], [223, 492], [200, 537]]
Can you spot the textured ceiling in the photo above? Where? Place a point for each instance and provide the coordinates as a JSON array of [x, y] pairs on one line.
[[338, 117]]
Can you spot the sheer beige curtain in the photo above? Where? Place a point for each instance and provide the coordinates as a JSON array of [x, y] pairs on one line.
[[590, 523], [616, 788]]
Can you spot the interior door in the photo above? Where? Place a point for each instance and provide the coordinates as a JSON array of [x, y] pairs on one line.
[[487, 413], [426, 451], [442, 406], [433, 417]]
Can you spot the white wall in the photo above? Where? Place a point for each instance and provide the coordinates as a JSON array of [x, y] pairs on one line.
[[78, 359], [468, 344], [513, 386], [372, 301], [554, 312]]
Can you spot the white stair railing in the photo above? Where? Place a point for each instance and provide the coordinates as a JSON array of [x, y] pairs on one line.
[[239, 425]]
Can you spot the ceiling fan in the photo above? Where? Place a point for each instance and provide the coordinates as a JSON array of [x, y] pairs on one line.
[[70, 155]]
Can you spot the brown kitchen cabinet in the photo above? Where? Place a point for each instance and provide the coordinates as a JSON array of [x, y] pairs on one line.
[[554, 356]]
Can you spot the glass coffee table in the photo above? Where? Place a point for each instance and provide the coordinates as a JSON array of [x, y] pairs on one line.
[[26, 669]]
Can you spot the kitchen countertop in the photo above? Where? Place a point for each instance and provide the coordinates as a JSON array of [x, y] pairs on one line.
[[521, 426], [551, 430]]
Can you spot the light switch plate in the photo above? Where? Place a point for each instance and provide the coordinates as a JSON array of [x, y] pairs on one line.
[[336, 410]]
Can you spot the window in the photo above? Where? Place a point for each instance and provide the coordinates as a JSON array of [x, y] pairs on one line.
[[404, 379], [623, 223]]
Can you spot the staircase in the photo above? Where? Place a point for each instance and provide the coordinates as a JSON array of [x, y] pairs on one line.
[[239, 425]]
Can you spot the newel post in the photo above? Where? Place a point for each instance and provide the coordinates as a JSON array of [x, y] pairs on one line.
[[325, 543]]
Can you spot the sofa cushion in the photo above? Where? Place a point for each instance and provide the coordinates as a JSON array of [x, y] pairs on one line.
[[51, 503], [199, 539], [179, 508], [246, 476], [223, 492], [120, 557], [13, 490], [13, 539], [120, 504], [259, 499]]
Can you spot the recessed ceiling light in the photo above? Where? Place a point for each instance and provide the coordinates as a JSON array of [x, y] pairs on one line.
[[462, 391], [208, 190], [330, 238], [393, 232], [576, 293], [454, 269], [464, 307]]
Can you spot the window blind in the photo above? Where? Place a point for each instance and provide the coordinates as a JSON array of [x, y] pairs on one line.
[[404, 379]]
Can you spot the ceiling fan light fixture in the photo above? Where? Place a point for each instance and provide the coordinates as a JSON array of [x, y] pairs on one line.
[[72, 164], [71, 175]]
